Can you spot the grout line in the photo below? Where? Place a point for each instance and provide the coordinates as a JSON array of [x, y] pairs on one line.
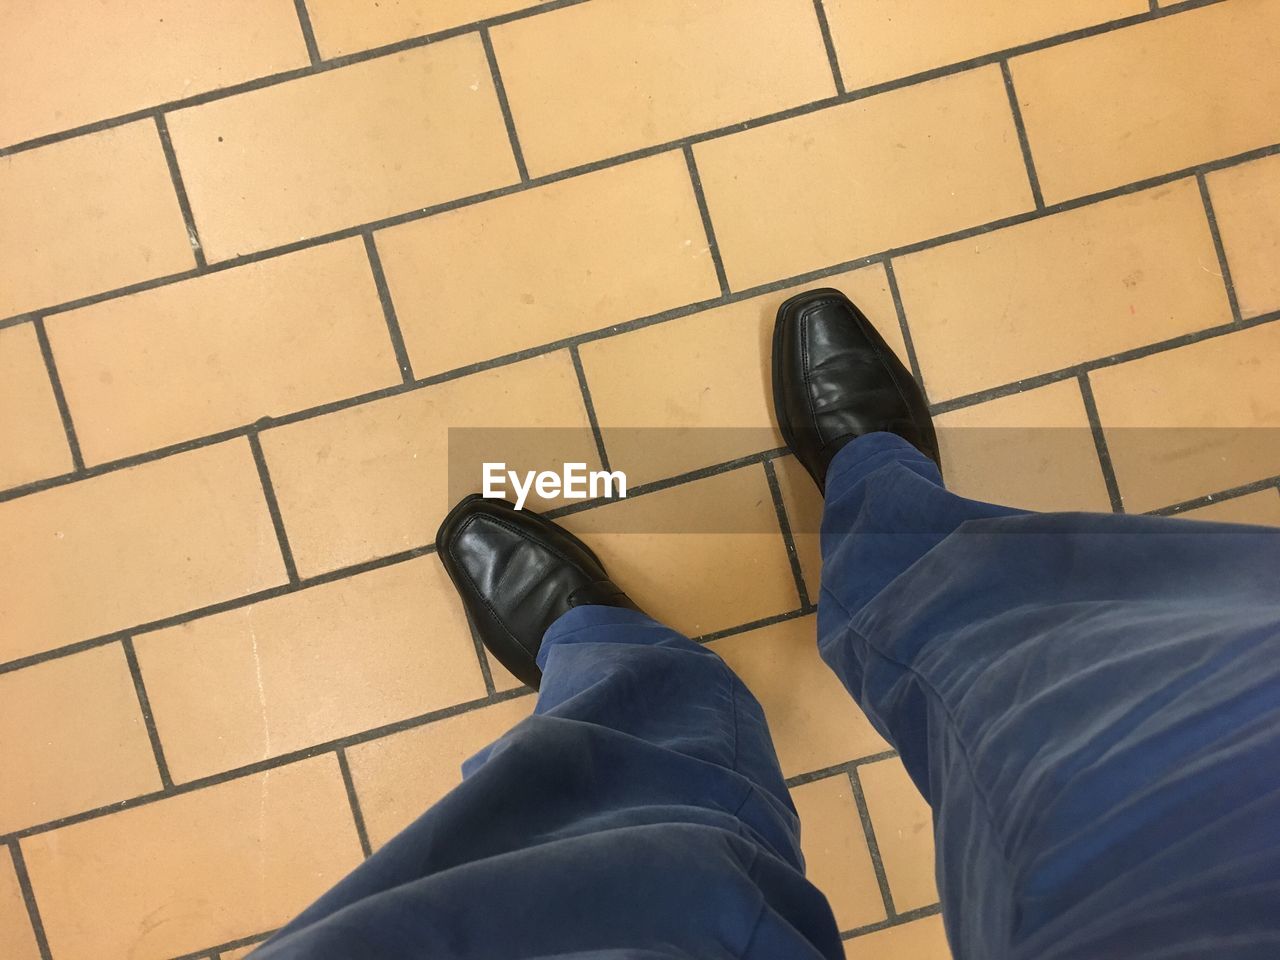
[[507, 117], [901, 919], [829, 43], [59, 396], [271, 763], [912, 358], [753, 625], [148, 717], [1232, 493], [486, 671], [308, 33], [1218, 247], [400, 46], [590, 406], [873, 847], [29, 899], [356, 813], [184, 202], [704, 211], [784, 524], [1020, 126], [1100, 444], [273, 506], [250, 941], [1155, 6], [388, 309], [839, 769]]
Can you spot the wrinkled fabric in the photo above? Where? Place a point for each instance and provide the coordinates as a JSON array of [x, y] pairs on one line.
[[1090, 703]]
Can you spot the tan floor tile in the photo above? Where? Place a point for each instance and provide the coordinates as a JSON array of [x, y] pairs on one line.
[[813, 720], [15, 923], [177, 875], [219, 351], [1246, 200], [599, 79], [919, 940], [692, 581], [31, 434], [345, 26], [133, 546], [1151, 98], [373, 480], [398, 777], [342, 147], [1192, 421], [879, 40], [88, 215], [803, 503], [870, 175], [503, 679], [578, 255], [1262, 507], [73, 738], [696, 391], [62, 66], [309, 667], [837, 860], [1054, 292], [903, 824], [1033, 450]]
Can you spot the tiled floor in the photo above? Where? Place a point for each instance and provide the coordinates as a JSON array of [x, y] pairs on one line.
[[257, 257]]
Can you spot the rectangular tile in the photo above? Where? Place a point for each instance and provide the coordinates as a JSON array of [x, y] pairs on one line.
[[1246, 201], [88, 215], [15, 923], [373, 480], [695, 391], [1033, 450], [343, 147], [692, 581], [600, 79], [814, 722], [866, 176], [1193, 421], [223, 350], [346, 26], [903, 824], [836, 857], [133, 546], [96, 61], [73, 738], [1054, 292], [578, 255], [918, 940], [175, 876], [880, 40], [1152, 98], [398, 777], [309, 667], [1262, 507], [31, 433]]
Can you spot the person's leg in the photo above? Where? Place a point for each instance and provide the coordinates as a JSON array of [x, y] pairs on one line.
[[1091, 703], [640, 810]]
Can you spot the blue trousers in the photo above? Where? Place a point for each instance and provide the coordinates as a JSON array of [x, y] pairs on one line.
[[1090, 704]]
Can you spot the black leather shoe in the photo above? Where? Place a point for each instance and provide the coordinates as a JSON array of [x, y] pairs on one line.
[[835, 379], [517, 572]]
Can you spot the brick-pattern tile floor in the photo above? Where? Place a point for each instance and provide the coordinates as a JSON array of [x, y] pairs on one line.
[[258, 257]]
